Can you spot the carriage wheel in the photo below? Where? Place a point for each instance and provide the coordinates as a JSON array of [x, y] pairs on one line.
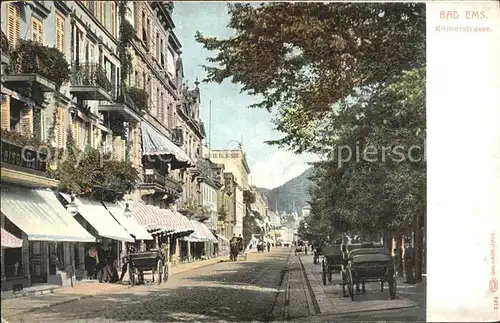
[[165, 272], [350, 283], [140, 277], [131, 276], [159, 271]]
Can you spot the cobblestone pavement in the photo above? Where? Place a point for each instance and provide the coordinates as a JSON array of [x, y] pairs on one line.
[[373, 305], [228, 291]]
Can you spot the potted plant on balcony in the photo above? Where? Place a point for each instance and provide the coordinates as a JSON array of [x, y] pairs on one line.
[[33, 57], [140, 97]]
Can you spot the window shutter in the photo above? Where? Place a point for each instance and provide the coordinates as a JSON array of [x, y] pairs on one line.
[[5, 112], [112, 18], [61, 130], [137, 147], [139, 25], [26, 122], [60, 44], [37, 30], [13, 24]]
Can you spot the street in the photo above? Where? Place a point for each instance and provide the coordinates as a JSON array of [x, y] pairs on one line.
[[266, 287], [229, 291]]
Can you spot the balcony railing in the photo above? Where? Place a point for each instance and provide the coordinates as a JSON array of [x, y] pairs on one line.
[[44, 67], [89, 82], [140, 98], [154, 178]]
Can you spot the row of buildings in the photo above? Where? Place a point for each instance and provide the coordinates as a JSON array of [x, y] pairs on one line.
[[106, 78]]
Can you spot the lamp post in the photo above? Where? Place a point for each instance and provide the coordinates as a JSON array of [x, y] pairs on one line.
[[71, 206], [127, 212]]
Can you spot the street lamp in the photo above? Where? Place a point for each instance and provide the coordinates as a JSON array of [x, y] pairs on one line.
[[71, 206], [127, 212]]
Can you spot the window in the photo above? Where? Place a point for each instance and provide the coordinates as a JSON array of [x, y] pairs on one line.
[[13, 24], [158, 108], [157, 55], [37, 30], [60, 43], [112, 18], [143, 22], [136, 79]]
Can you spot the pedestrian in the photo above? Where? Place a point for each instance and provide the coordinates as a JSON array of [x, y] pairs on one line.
[[305, 249], [268, 246], [409, 263], [125, 258]]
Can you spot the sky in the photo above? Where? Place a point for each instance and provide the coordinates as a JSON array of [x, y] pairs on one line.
[[231, 119]]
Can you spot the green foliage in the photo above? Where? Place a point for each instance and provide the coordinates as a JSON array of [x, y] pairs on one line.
[[33, 57], [4, 43], [82, 171], [249, 197], [386, 192], [302, 58], [127, 34], [195, 211], [140, 97]]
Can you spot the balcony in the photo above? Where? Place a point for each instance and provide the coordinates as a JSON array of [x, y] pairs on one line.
[[122, 106], [89, 82], [153, 180], [43, 67]]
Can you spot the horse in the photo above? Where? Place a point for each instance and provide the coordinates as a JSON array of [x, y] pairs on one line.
[[234, 251]]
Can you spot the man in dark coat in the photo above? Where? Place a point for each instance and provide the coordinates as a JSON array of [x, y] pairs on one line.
[[409, 264]]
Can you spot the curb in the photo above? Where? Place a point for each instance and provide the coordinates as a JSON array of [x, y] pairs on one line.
[[310, 289], [78, 298]]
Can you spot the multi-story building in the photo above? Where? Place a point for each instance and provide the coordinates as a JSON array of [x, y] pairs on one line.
[[234, 162], [121, 93]]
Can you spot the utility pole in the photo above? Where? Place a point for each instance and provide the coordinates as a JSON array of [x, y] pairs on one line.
[[209, 123]]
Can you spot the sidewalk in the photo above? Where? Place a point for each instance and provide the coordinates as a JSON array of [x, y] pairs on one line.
[[16, 306], [330, 300]]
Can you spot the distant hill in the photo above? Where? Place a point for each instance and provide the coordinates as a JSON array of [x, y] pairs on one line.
[[295, 189]]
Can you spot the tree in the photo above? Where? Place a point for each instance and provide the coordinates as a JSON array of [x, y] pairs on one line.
[[301, 58], [81, 172]]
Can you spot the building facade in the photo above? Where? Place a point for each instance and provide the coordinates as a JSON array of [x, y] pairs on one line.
[[90, 74], [234, 162]]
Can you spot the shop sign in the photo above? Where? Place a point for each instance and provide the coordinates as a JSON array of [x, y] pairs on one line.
[[23, 157]]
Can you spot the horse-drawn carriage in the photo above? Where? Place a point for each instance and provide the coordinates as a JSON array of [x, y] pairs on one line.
[[359, 264], [333, 259], [153, 261], [235, 246], [364, 263]]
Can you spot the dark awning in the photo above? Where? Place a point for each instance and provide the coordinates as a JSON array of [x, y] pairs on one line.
[[155, 143]]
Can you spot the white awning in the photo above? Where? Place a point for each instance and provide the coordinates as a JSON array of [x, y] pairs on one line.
[[102, 221], [155, 143], [224, 239], [130, 224], [39, 214]]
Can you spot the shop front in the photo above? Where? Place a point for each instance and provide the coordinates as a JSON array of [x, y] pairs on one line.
[[105, 251], [165, 225], [46, 231]]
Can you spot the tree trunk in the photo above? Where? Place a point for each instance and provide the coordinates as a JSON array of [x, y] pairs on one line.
[[418, 241]]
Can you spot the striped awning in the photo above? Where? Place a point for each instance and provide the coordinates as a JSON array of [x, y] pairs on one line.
[[155, 143], [10, 241], [158, 220], [201, 233], [130, 224]]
